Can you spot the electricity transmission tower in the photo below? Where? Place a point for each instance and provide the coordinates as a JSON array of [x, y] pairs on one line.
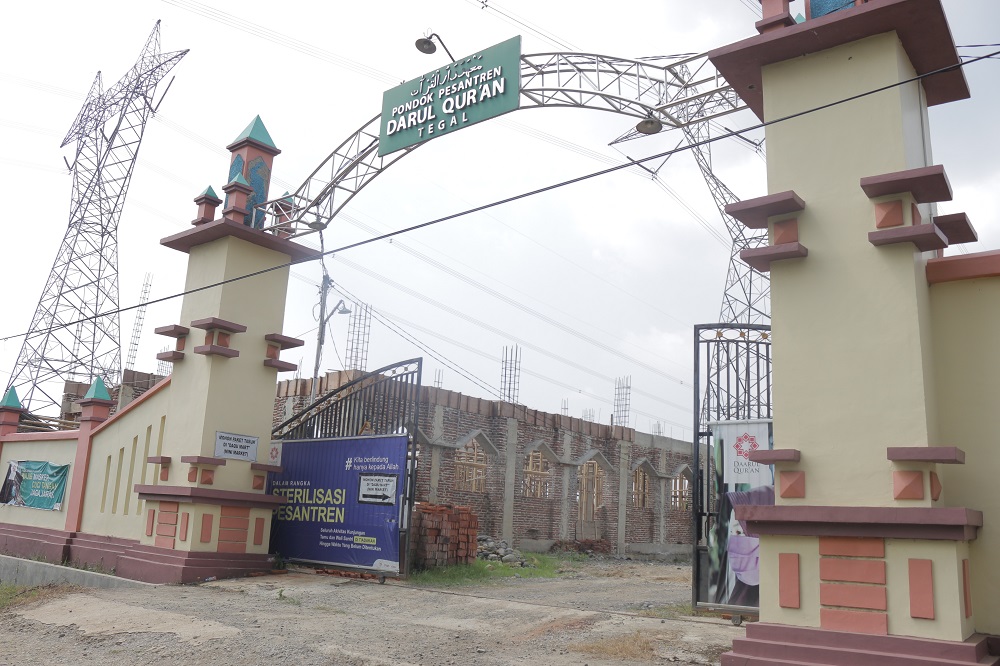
[[74, 333]]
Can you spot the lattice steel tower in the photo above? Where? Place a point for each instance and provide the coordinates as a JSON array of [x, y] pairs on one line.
[[74, 333]]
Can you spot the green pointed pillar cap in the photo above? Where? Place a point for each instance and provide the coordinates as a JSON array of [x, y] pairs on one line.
[[209, 192], [238, 180], [98, 391], [256, 133], [10, 400]]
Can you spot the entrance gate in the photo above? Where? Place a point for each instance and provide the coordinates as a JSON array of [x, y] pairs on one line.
[[352, 472]]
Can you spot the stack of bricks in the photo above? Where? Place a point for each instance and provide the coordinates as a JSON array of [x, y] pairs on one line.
[[442, 535]]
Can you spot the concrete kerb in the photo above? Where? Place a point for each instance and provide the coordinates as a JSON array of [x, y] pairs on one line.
[[17, 571]]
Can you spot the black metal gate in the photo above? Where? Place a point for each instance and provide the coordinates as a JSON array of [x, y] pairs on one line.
[[382, 402]]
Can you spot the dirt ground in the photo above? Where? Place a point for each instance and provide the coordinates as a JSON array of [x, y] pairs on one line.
[[598, 612]]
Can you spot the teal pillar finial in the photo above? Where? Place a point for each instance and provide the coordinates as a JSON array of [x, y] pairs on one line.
[[98, 391], [10, 400]]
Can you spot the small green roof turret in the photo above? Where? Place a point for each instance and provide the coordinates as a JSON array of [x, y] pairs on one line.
[[256, 131], [10, 400], [98, 391], [209, 192], [239, 180]]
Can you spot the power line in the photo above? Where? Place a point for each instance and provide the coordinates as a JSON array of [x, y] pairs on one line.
[[524, 195]]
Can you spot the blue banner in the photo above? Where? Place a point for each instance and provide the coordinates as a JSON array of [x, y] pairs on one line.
[[345, 500]]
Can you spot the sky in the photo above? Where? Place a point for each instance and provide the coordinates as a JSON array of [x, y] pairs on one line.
[[594, 281]]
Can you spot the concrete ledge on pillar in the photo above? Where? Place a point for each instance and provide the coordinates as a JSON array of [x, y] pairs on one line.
[[753, 213], [931, 523], [926, 237], [210, 323], [963, 267], [926, 184], [171, 356], [771, 456], [192, 494], [762, 257], [263, 467], [945, 455], [204, 460], [216, 350], [159, 460], [280, 366], [284, 341], [172, 331], [956, 228]]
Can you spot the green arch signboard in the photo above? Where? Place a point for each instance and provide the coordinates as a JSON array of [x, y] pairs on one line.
[[476, 88]]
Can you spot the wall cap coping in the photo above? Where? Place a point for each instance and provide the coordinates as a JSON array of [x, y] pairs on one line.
[[210, 323], [761, 258], [926, 237], [927, 184], [172, 331], [963, 267], [753, 213], [946, 455], [204, 460], [771, 456], [156, 388]]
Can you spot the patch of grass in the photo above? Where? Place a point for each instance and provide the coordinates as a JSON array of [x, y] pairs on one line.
[[669, 612], [484, 571], [292, 600], [12, 596], [634, 647]]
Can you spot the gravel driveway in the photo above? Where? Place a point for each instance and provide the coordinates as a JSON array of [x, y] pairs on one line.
[[599, 612]]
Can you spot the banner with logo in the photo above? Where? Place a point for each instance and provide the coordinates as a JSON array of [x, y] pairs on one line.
[[37, 485], [734, 574], [345, 502]]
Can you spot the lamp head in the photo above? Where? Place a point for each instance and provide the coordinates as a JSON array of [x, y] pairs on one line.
[[343, 309], [318, 225], [426, 45], [649, 125]]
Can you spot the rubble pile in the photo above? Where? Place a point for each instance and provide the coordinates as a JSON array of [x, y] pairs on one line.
[[497, 550]]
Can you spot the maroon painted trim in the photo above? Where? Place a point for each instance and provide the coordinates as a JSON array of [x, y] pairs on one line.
[[933, 523], [262, 147], [204, 460], [172, 355], [783, 20], [284, 341], [963, 267], [957, 228], [753, 213], [216, 350], [280, 366], [947, 455], [210, 323], [172, 331], [190, 494], [54, 436], [771, 456], [767, 643], [157, 387], [221, 228], [927, 184], [920, 25], [762, 257], [261, 467], [209, 199], [926, 237], [159, 460], [238, 187]]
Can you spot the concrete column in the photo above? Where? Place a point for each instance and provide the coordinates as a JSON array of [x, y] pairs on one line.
[[566, 456], [509, 486], [623, 490], [437, 432]]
